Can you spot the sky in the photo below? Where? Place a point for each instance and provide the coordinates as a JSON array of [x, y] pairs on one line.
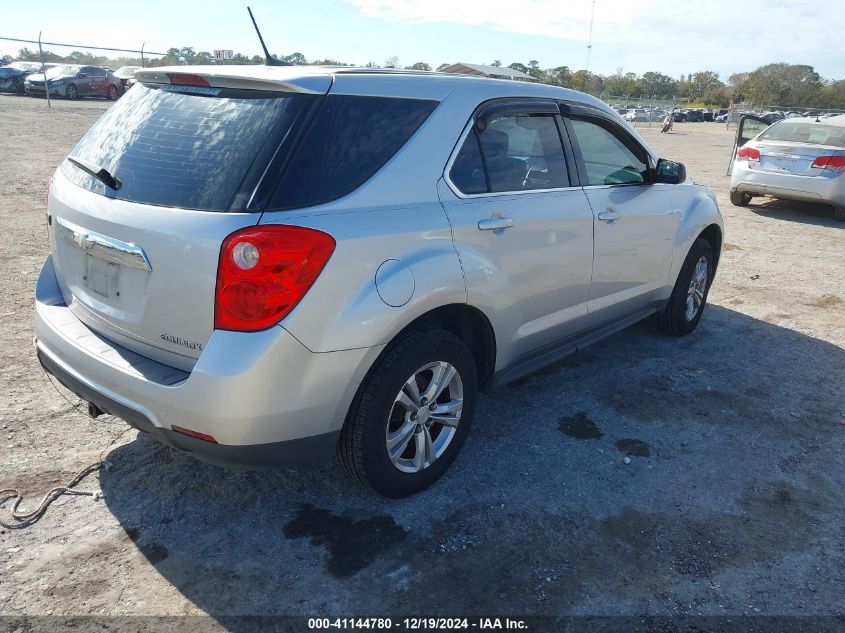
[[671, 36]]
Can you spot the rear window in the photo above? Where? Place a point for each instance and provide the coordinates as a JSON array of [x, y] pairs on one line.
[[350, 139], [187, 147], [804, 132]]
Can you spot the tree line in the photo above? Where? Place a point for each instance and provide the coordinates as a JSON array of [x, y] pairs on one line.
[[793, 85]]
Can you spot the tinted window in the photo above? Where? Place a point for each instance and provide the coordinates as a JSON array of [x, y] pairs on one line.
[[182, 146], [350, 139], [523, 152], [795, 132], [607, 158], [467, 172]]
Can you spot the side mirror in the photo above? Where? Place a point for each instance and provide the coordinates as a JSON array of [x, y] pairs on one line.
[[81, 73], [670, 172]]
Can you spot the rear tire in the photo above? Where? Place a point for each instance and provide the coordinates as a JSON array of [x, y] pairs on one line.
[[839, 213], [386, 413], [689, 296], [739, 199], [112, 93]]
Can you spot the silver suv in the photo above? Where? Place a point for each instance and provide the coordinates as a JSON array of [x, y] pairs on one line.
[[273, 265]]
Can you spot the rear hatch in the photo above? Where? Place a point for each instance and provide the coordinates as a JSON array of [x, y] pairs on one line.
[[140, 208], [794, 147]]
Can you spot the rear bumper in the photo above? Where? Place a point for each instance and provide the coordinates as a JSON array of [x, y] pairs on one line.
[[265, 398], [824, 189], [305, 451]]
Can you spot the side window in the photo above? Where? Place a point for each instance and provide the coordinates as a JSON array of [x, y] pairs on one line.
[[523, 152], [350, 139], [609, 161], [467, 172]]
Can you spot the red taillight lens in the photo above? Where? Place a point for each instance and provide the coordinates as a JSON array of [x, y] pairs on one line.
[[187, 79], [264, 271], [748, 153], [830, 163]]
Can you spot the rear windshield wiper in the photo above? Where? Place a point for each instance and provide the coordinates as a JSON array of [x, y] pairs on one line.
[[100, 173]]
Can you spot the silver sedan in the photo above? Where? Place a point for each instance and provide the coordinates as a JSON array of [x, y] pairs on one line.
[[795, 159]]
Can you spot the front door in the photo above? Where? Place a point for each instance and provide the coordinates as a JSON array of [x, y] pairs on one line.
[[749, 127], [523, 232], [636, 222]]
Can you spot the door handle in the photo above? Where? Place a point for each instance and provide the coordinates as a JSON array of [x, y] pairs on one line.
[[609, 216], [495, 223]]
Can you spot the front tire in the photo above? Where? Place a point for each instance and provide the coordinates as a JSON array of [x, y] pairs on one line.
[[839, 213], [739, 199], [411, 414], [689, 296], [112, 93], [71, 92]]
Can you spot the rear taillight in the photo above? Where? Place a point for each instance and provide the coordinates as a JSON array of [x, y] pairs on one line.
[[187, 79], [748, 153], [264, 271], [830, 163]]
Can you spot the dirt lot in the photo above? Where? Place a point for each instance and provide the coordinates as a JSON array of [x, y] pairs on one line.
[[732, 502]]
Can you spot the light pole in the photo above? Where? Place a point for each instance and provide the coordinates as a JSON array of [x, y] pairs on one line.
[[590, 36]]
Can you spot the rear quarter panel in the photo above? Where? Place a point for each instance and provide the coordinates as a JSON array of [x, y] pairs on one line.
[[343, 309]]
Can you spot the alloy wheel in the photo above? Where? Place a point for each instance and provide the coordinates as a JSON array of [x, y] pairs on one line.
[[697, 288], [424, 417]]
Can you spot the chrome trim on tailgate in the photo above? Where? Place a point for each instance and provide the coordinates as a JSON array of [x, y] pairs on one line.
[[105, 247]]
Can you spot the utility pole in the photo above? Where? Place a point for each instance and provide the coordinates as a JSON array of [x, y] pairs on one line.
[[590, 36]]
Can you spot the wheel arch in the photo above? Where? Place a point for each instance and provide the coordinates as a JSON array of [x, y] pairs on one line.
[[470, 325], [713, 235], [701, 219]]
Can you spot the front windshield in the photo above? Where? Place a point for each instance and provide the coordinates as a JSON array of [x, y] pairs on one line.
[[61, 71]]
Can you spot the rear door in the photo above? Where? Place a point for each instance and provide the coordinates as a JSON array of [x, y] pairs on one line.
[[636, 222], [136, 259], [522, 228], [99, 84], [86, 84]]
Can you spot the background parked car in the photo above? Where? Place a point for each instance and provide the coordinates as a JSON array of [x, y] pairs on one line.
[[679, 117], [637, 115], [11, 80], [75, 82], [125, 73], [771, 117], [695, 116]]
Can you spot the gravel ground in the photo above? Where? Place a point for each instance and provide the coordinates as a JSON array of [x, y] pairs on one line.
[[647, 475]]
